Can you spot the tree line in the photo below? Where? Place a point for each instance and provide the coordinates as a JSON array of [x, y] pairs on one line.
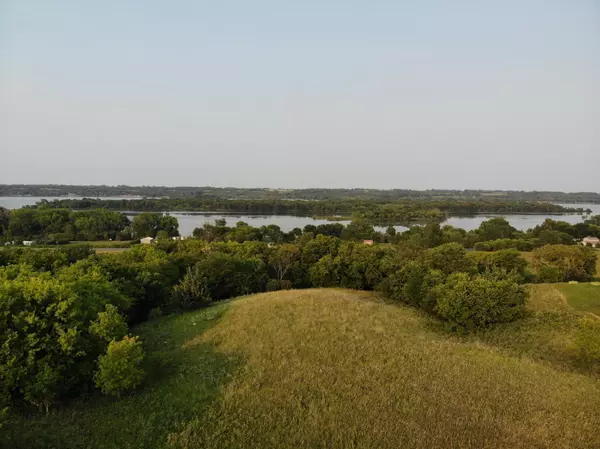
[[60, 226], [399, 212], [303, 194]]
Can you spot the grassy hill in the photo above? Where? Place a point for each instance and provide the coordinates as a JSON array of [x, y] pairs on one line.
[[338, 368]]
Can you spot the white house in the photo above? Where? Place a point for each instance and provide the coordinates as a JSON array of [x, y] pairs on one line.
[[594, 241], [146, 240], [180, 237], [27, 242]]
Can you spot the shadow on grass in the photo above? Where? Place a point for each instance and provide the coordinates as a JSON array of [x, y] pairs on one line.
[[181, 384]]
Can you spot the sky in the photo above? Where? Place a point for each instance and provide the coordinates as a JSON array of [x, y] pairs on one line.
[[377, 94]]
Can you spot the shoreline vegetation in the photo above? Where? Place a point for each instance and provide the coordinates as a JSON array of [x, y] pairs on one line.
[[401, 212], [57, 190]]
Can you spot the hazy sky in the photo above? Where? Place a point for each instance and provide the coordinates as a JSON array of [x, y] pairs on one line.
[[383, 94]]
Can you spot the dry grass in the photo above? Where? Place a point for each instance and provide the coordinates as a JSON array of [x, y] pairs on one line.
[[339, 369], [334, 368]]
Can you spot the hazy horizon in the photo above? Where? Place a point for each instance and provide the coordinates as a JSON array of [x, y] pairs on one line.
[[423, 95]]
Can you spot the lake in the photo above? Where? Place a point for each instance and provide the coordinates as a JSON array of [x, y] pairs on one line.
[[188, 221]]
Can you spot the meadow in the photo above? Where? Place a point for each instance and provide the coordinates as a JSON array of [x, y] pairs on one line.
[[343, 368]]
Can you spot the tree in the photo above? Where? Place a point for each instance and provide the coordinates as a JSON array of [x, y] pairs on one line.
[[282, 258], [110, 324], [495, 228], [150, 224], [120, 369], [47, 348], [192, 291], [358, 229]]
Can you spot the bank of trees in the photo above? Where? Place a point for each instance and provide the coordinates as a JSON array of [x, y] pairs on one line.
[[379, 212], [49, 225], [59, 226], [303, 194]]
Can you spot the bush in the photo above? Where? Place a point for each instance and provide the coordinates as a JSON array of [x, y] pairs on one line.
[[412, 284], [48, 350], [120, 369], [563, 263], [450, 258], [110, 324], [496, 245], [472, 303], [192, 291], [508, 260]]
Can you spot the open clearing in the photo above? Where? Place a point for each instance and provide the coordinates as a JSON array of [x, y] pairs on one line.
[[340, 369], [582, 296]]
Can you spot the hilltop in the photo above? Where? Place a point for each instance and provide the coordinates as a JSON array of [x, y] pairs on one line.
[[341, 368]]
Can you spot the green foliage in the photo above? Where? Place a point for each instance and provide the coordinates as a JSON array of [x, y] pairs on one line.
[[110, 324], [283, 258], [192, 291], [326, 272], [62, 225], [587, 344], [120, 369], [232, 275], [500, 244], [562, 263], [150, 224], [508, 260], [413, 284], [450, 258], [48, 350], [495, 229], [472, 303]]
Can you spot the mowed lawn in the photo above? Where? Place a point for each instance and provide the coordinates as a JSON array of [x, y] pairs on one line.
[[329, 368]]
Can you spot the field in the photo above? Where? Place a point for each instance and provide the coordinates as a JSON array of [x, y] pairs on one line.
[[340, 368], [583, 296]]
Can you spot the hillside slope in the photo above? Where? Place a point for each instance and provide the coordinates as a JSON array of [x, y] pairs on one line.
[[329, 368]]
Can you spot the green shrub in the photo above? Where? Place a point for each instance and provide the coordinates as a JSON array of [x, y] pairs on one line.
[[47, 349], [508, 260], [110, 324], [549, 274], [471, 303], [120, 370], [450, 258], [192, 291], [413, 284], [496, 245], [568, 262]]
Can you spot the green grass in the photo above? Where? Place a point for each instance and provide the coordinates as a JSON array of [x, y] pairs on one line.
[[338, 368], [582, 296]]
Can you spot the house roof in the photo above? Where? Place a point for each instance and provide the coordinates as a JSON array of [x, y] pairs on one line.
[[591, 239]]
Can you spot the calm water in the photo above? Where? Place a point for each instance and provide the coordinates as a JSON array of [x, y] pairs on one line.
[[191, 220]]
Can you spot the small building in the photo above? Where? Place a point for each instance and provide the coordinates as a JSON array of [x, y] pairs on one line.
[[27, 242], [593, 241], [179, 237], [146, 240], [368, 242]]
